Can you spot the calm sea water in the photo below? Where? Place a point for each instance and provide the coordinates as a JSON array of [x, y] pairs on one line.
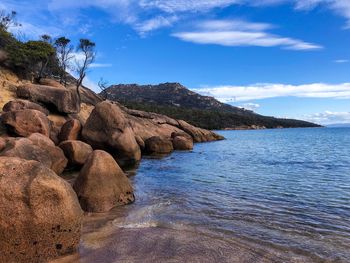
[[289, 189], [286, 190]]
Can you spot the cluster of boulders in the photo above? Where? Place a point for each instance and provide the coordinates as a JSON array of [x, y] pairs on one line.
[[41, 213]]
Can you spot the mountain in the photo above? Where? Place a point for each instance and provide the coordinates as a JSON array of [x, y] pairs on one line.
[[177, 101]]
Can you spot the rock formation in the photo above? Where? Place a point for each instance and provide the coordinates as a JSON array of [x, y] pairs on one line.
[[101, 184], [182, 143], [77, 152], [16, 105], [158, 145], [63, 100], [70, 130], [26, 122], [48, 155], [40, 213], [107, 128]]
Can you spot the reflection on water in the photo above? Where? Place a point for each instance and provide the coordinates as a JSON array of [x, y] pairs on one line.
[[259, 196]]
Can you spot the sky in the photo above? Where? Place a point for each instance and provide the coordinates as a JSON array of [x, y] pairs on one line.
[[283, 58]]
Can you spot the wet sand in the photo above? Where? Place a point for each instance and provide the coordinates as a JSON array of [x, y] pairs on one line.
[[104, 241]]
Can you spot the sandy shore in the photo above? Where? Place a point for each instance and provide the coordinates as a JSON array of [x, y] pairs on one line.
[[105, 241]]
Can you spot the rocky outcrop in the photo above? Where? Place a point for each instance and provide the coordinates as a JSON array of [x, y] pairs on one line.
[[16, 105], [101, 184], [26, 122], [61, 99], [40, 213], [148, 124], [70, 130], [36, 149], [77, 152], [108, 129], [198, 134], [158, 145]]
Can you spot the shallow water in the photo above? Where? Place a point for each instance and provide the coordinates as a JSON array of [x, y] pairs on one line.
[[259, 196]]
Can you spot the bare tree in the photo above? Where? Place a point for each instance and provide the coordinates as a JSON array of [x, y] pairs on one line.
[[8, 19], [87, 48], [64, 55], [103, 85]]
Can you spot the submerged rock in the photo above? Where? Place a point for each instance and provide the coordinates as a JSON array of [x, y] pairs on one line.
[[101, 184], [108, 129], [40, 213], [64, 100], [26, 122], [77, 152], [158, 145]]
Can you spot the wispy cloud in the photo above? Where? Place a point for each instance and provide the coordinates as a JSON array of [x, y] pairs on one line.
[[264, 91], [173, 6], [155, 23], [328, 117], [30, 31], [341, 61], [101, 65], [341, 7], [241, 33]]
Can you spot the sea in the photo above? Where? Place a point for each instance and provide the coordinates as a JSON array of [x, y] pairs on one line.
[[279, 195]]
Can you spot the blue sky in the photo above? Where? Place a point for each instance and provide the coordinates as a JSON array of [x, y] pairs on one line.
[[286, 58]]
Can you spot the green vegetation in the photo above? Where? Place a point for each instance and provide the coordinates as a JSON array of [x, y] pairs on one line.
[[216, 120], [46, 57]]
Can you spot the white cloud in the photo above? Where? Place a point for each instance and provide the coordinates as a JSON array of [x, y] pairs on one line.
[[341, 7], [232, 25], [251, 106], [30, 31], [173, 6], [328, 117], [264, 91], [341, 61], [155, 23], [240, 33], [101, 65]]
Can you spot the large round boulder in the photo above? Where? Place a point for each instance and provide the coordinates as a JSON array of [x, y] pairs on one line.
[[26, 122], [58, 98], [38, 150], [16, 105], [101, 184], [158, 145], [108, 129], [40, 213], [77, 152], [182, 143], [70, 130]]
